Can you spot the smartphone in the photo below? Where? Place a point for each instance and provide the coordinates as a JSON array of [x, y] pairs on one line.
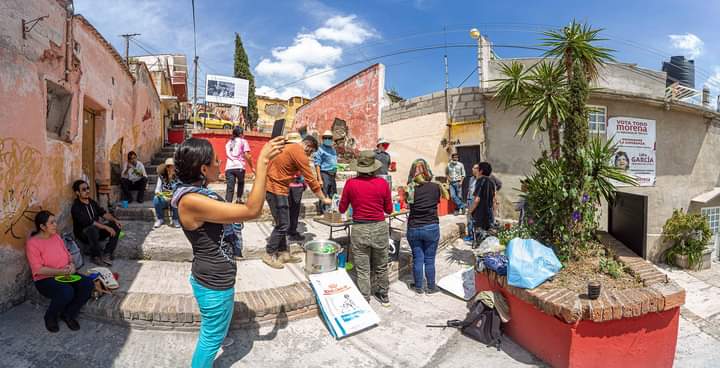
[[278, 128]]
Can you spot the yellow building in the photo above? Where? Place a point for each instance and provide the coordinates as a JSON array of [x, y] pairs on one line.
[[271, 109]]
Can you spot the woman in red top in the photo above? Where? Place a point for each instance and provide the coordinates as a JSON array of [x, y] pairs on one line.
[[48, 257], [370, 198]]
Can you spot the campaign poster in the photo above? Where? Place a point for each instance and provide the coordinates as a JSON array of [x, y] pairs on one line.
[[635, 139]]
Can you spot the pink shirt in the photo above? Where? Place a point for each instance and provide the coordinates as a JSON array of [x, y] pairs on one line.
[[49, 252], [235, 149]]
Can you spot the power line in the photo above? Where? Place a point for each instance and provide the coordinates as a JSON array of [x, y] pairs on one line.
[[468, 77]]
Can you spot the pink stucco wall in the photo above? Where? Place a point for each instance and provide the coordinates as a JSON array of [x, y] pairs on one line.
[[357, 100], [36, 170]]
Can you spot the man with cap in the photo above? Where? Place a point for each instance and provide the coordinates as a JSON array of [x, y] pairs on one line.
[[282, 171], [325, 161], [382, 156], [370, 198]]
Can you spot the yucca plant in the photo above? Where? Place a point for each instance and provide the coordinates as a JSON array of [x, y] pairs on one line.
[[541, 94]]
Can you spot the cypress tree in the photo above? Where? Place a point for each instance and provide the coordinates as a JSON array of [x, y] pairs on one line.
[[242, 70]]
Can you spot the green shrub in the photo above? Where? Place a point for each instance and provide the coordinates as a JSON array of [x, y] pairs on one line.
[[689, 234], [611, 267]]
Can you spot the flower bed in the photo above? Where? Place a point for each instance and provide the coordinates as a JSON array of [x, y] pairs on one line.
[[632, 327]]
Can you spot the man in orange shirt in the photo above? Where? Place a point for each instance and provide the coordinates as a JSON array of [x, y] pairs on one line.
[[280, 173]]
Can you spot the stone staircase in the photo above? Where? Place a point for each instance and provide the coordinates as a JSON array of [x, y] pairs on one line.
[[145, 211], [153, 266]]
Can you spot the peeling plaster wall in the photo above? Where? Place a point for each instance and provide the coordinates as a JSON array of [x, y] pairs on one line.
[[36, 170], [357, 100]]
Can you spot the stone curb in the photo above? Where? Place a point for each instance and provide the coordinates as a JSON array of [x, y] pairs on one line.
[[658, 294]]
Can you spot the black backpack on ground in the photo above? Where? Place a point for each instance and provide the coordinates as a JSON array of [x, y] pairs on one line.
[[482, 324]]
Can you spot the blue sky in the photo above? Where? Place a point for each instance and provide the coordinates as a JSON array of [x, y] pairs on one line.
[[289, 40]]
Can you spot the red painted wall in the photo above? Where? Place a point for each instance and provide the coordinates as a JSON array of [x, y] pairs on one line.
[[219, 139], [645, 341], [357, 100]]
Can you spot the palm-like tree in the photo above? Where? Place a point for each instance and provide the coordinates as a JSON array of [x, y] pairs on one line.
[[541, 92], [575, 43]]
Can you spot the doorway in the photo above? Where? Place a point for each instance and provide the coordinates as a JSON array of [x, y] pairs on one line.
[[468, 155], [88, 150]]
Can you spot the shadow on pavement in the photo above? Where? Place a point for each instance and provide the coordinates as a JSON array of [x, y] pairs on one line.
[[245, 338]]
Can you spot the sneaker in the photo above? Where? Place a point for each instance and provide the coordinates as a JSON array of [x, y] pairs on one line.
[[176, 224], [383, 299], [419, 291], [468, 239], [286, 257], [72, 323], [456, 212], [272, 261], [434, 290], [51, 324], [158, 223]]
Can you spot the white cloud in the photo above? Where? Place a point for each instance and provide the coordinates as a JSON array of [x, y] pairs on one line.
[[322, 81], [691, 44], [285, 93], [268, 68], [308, 50], [315, 52], [344, 29]]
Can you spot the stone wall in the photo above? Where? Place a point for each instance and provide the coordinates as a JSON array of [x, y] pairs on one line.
[[37, 167], [464, 105], [356, 100]]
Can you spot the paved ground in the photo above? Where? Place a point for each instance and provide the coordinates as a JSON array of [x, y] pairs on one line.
[[401, 340], [699, 340]]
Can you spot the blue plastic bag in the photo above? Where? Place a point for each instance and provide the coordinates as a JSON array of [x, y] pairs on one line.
[[530, 263]]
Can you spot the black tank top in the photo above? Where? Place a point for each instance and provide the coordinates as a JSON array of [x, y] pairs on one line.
[[213, 264]]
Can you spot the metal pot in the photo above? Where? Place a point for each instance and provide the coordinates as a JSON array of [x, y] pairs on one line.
[[318, 262]]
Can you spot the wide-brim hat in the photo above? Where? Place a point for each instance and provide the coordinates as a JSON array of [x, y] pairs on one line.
[[365, 163], [293, 137], [168, 162], [327, 133]]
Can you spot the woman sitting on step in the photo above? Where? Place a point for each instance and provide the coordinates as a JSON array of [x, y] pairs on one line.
[[164, 189], [206, 220], [48, 258]]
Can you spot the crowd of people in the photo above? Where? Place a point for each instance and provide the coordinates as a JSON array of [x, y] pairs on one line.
[[285, 167]]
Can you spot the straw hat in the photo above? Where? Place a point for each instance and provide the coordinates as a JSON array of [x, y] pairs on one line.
[[293, 137], [365, 163], [327, 134], [168, 162]]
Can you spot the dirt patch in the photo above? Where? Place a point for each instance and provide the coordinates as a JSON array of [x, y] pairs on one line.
[[576, 274]]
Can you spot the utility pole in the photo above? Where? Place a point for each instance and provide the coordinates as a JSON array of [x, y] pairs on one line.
[[448, 119], [127, 46], [195, 82]]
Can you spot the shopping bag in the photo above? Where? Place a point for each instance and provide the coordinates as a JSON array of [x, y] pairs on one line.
[[530, 263], [344, 310]]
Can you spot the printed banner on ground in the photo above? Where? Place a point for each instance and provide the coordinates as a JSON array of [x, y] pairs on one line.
[[635, 139], [343, 308]]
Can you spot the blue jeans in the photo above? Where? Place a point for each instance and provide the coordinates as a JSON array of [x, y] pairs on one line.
[[160, 205], [216, 310], [424, 242], [456, 194]]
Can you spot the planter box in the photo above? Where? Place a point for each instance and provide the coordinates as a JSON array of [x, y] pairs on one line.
[[704, 264], [628, 328]]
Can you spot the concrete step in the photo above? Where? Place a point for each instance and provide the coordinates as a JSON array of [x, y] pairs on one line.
[[145, 211], [156, 294], [170, 244]]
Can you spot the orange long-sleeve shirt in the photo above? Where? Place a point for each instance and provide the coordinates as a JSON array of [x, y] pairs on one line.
[[282, 169]]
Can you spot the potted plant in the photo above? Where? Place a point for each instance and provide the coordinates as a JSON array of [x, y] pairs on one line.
[[689, 235]]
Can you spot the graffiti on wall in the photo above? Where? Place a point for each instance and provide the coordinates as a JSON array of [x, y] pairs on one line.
[[20, 171]]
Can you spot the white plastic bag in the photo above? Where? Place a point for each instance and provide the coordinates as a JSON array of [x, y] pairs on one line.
[[490, 244]]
